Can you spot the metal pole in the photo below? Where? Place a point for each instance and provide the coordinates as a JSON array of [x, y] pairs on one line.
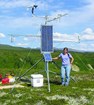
[[30, 68], [47, 71]]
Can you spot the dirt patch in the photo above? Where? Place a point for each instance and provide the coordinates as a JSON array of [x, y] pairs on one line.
[[11, 86]]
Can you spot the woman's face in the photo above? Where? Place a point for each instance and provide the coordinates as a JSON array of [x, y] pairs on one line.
[[65, 51]]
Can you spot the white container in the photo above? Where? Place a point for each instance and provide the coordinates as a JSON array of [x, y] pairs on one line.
[[11, 80], [37, 80]]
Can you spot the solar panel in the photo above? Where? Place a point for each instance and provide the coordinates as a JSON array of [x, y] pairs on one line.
[[46, 38], [47, 57]]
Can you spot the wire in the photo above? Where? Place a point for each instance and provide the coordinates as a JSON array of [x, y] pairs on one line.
[[82, 61], [24, 63]]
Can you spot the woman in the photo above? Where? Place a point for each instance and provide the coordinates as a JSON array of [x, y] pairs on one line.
[[67, 60]]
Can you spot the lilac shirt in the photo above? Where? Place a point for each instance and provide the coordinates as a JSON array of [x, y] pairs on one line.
[[65, 58]]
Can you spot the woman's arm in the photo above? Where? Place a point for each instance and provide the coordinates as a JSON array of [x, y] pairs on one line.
[[55, 58], [71, 60]]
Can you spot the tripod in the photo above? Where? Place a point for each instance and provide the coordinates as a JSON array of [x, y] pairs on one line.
[[46, 58], [46, 69]]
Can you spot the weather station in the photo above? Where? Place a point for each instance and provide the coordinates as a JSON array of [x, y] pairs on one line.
[[47, 41]]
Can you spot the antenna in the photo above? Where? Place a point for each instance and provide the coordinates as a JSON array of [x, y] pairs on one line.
[[12, 36], [55, 18]]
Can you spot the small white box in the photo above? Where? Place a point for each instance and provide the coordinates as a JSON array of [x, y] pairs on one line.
[[37, 80]]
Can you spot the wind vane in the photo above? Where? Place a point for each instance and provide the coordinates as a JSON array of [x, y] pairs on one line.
[[33, 8]]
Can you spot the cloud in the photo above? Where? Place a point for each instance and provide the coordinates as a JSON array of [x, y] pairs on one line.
[[22, 44], [85, 46], [20, 22], [78, 16], [92, 45], [26, 39], [58, 37], [2, 35], [83, 15], [87, 34], [88, 31], [86, 40], [87, 37]]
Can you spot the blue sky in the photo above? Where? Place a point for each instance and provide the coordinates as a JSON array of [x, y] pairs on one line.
[[16, 19]]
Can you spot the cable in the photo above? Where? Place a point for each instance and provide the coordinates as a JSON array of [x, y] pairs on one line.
[[82, 61], [19, 73]]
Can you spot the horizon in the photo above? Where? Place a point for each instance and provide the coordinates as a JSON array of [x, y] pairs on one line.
[[38, 48]]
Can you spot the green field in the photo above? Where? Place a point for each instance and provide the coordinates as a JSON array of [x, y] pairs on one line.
[[19, 60]]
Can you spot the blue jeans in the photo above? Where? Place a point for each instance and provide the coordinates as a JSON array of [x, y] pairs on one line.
[[65, 74]]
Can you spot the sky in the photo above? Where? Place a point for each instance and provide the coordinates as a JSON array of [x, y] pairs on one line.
[[74, 30]]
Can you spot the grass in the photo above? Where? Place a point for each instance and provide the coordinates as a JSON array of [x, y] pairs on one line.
[[77, 93]]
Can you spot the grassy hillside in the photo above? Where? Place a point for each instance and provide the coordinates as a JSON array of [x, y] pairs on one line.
[[79, 92], [15, 58], [3, 46]]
